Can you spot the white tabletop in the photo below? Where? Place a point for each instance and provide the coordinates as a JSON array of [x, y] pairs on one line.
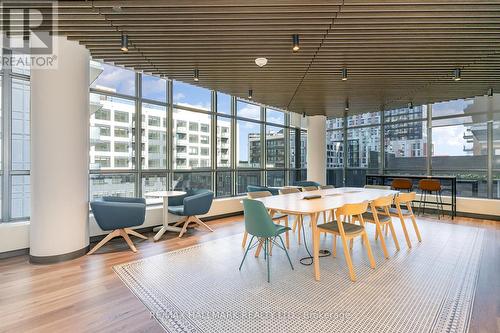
[[163, 194], [330, 199]]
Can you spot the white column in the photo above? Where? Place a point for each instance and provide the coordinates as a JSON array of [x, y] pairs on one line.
[[59, 156], [316, 149]]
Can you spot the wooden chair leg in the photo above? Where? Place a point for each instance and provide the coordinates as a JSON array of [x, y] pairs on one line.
[[415, 226], [368, 249], [394, 237], [300, 227], [259, 247], [348, 260], [405, 231], [351, 243], [134, 233], [184, 228], [201, 223], [382, 240], [244, 241], [386, 230], [111, 235], [334, 246], [128, 240], [181, 221]]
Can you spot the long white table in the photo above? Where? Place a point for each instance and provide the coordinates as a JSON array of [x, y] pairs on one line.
[[331, 199]]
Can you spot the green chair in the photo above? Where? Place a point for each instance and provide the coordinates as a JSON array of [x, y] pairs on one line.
[[259, 224]]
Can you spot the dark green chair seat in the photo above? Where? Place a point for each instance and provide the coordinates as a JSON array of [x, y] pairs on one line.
[[394, 211], [176, 210], [368, 216], [349, 228]]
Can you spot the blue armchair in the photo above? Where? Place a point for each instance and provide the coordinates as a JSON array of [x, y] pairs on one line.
[[257, 188], [306, 183], [118, 215], [195, 202]]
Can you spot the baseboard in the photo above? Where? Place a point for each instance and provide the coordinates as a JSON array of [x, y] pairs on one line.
[[14, 253], [45, 260]]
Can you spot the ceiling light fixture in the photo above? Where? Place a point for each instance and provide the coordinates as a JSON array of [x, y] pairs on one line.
[[344, 74], [410, 105], [490, 92], [457, 74], [346, 105], [196, 75], [295, 43], [124, 46], [250, 93], [261, 62]]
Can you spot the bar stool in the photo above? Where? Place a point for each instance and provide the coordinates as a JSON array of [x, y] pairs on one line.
[[348, 231], [275, 217], [431, 186], [402, 184]]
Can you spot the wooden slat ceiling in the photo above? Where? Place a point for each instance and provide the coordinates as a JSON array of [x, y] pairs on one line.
[[396, 51]]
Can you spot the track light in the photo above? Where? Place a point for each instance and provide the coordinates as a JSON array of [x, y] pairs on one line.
[[346, 105], [490, 92], [250, 93], [410, 105], [344, 74], [295, 42], [196, 75], [303, 114], [457, 74], [124, 47]]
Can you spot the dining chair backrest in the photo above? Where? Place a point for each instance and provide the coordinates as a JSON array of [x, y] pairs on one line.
[[383, 202], [380, 187], [326, 187], [353, 209], [429, 185], [257, 220], [402, 198], [287, 190], [309, 188], [402, 184], [260, 194]]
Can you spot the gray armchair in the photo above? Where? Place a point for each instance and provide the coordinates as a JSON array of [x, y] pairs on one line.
[[195, 203], [118, 215]]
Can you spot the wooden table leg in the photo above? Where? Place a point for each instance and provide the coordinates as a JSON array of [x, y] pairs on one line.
[[315, 241]]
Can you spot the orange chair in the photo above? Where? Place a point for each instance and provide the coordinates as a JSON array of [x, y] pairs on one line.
[[402, 184], [429, 187]]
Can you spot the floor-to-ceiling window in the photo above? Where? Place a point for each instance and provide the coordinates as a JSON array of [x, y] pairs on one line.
[[149, 134], [15, 140], [456, 138]]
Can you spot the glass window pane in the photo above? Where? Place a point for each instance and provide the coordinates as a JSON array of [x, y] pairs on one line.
[[275, 147], [335, 123], [20, 125], [297, 175], [192, 180], [496, 184], [245, 178], [303, 149], [292, 147], [119, 185], [276, 178], [363, 147], [275, 116], [456, 107], [153, 183], [298, 120], [368, 118], [111, 149], [406, 114], [223, 103], [247, 110], [113, 79], [1, 123], [224, 184], [248, 144], [223, 142], [21, 197], [20, 65], [496, 145], [335, 177], [154, 88], [334, 149], [154, 136], [191, 96], [472, 184], [406, 146], [191, 132]]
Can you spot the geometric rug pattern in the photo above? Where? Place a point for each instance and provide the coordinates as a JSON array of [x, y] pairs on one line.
[[428, 288]]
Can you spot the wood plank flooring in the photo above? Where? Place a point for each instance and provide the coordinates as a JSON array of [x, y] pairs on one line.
[[85, 295]]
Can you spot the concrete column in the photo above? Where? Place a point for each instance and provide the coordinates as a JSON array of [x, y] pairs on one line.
[[316, 149], [59, 156]]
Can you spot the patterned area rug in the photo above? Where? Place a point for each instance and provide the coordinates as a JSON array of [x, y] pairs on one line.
[[429, 288]]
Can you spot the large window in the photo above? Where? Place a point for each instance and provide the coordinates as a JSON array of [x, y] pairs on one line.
[[141, 141], [14, 142], [455, 138]]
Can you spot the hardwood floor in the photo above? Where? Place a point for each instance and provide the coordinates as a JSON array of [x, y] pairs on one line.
[[85, 295]]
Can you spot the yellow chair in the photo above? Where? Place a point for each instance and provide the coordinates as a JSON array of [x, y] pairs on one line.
[[277, 217], [405, 199], [298, 220], [380, 216], [349, 231]]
